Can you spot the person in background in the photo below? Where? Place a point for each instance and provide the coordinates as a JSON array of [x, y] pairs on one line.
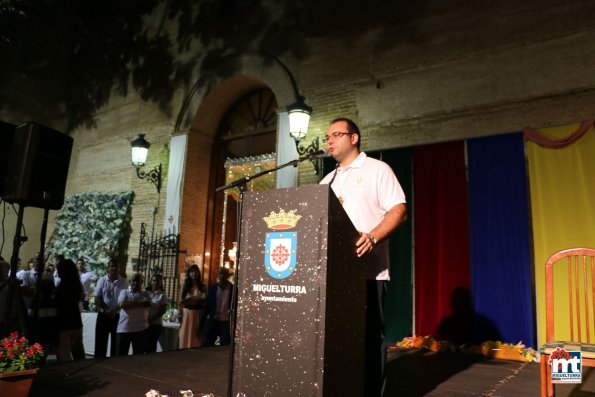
[[192, 297], [46, 325], [134, 317], [215, 316], [375, 202], [28, 281], [87, 279], [69, 293], [107, 293], [4, 272], [21, 272], [158, 308], [55, 264], [48, 272]]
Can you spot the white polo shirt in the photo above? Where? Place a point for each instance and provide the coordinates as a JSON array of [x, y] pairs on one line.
[[136, 319], [158, 299], [110, 290], [368, 189], [27, 278], [87, 279]]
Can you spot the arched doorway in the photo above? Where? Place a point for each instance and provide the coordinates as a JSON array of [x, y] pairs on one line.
[[246, 133]]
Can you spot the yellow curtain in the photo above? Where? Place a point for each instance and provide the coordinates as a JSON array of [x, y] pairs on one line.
[[562, 183]]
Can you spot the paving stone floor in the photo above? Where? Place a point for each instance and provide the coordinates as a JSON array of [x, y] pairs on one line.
[[410, 373]]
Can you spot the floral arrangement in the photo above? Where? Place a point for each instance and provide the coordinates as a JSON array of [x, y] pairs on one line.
[[491, 349], [172, 314], [184, 393], [90, 226], [426, 342], [17, 354]]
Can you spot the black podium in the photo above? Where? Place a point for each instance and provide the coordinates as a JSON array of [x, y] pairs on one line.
[[301, 297]]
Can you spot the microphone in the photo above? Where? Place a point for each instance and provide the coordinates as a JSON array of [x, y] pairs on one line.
[[313, 155], [319, 153]]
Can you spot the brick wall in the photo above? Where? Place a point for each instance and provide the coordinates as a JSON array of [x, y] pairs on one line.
[[101, 161], [195, 192]]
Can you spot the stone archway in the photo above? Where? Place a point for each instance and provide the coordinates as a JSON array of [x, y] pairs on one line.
[[257, 71]]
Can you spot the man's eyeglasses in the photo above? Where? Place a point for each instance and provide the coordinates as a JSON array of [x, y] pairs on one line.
[[336, 135]]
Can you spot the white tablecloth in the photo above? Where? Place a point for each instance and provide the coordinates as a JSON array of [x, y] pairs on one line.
[[89, 320]]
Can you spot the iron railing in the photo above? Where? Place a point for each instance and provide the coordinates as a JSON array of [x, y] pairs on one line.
[[159, 255]]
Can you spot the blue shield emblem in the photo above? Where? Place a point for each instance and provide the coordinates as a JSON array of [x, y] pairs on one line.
[[280, 254]]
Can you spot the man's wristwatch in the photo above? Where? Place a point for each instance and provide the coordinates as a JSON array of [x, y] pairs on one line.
[[373, 239]]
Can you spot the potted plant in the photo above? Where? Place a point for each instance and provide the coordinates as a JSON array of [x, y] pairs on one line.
[[19, 362]]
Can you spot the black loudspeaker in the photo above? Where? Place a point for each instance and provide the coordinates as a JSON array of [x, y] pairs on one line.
[[38, 167], [6, 140]]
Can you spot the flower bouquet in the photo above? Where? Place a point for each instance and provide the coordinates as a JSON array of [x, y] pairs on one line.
[[425, 342], [490, 349], [184, 393], [508, 351], [19, 362], [17, 354]]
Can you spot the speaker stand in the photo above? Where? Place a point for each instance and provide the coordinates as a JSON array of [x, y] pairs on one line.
[[15, 317]]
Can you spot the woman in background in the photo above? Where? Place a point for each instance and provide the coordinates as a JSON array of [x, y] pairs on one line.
[[69, 294], [193, 293], [156, 311]]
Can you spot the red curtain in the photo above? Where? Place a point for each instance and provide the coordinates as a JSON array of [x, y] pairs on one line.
[[441, 231]]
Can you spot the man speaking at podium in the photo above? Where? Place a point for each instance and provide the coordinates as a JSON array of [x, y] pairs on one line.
[[374, 201]]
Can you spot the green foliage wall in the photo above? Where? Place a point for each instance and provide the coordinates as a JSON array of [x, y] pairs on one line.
[[93, 226]]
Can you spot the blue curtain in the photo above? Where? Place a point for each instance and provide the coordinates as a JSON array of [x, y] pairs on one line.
[[501, 281]]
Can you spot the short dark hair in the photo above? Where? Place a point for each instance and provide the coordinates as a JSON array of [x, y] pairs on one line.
[[351, 127]]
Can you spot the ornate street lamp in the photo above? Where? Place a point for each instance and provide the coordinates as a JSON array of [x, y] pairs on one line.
[[299, 118], [140, 150]]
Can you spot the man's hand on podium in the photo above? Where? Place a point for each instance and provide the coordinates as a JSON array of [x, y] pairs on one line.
[[365, 244]]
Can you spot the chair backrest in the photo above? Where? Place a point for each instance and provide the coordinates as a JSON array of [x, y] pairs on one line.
[[573, 271]]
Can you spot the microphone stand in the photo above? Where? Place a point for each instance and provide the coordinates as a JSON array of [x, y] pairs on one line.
[[241, 184], [243, 181]]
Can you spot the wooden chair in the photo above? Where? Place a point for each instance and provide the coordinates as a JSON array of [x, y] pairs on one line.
[[579, 298]]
